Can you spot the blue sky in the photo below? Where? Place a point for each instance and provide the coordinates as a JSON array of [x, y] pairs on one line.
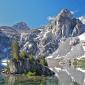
[[36, 12]]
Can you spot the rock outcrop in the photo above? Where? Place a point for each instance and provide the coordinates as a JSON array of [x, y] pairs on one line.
[[25, 65]]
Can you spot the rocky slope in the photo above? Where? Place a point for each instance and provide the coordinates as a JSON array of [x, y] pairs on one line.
[[7, 34], [21, 27], [59, 38]]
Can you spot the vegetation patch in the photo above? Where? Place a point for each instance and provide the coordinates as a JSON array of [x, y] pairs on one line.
[[24, 63], [31, 74], [79, 63]]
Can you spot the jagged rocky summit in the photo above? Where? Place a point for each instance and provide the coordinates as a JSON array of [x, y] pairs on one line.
[[59, 38]]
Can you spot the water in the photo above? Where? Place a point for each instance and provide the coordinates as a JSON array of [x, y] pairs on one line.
[[23, 80], [63, 76]]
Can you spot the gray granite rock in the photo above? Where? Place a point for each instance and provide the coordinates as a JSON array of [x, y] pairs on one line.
[[24, 66]]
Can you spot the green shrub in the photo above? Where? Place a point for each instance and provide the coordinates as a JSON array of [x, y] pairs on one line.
[[31, 59], [80, 63], [42, 61], [31, 74], [23, 54]]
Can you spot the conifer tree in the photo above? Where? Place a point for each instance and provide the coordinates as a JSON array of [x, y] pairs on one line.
[[15, 50]]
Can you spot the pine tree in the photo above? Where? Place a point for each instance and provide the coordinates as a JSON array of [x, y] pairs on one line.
[[15, 50], [24, 54]]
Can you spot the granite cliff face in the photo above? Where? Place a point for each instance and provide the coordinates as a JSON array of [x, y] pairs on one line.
[[62, 28], [55, 39]]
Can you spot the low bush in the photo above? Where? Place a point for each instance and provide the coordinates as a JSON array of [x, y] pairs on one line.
[[31, 74]]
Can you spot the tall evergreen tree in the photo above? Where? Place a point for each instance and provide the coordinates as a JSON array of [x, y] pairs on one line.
[[15, 49]]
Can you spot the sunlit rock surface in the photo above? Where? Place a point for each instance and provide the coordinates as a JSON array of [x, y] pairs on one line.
[[60, 37]]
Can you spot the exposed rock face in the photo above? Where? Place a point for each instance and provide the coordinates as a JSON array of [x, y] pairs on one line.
[[24, 65], [78, 29], [69, 48], [82, 19], [7, 34], [47, 39], [28, 41], [59, 29], [4, 47], [21, 27], [64, 23]]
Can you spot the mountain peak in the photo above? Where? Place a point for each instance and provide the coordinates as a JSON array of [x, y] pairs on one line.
[[21, 25], [65, 13]]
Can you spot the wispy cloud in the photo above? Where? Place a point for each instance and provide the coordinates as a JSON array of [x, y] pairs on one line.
[[50, 18], [73, 12]]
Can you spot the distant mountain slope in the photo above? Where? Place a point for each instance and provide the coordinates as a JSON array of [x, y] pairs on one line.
[[21, 27]]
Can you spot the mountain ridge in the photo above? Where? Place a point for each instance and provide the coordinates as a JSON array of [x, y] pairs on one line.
[[46, 41]]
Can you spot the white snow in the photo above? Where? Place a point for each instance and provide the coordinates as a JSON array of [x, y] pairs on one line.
[[4, 62], [82, 37], [26, 44], [84, 80], [58, 69], [81, 57], [51, 69], [84, 48], [81, 70], [50, 57], [56, 75], [46, 33], [82, 18], [30, 45], [58, 57], [23, 36]]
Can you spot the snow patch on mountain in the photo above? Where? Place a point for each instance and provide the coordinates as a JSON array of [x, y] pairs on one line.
[[82, 18]]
